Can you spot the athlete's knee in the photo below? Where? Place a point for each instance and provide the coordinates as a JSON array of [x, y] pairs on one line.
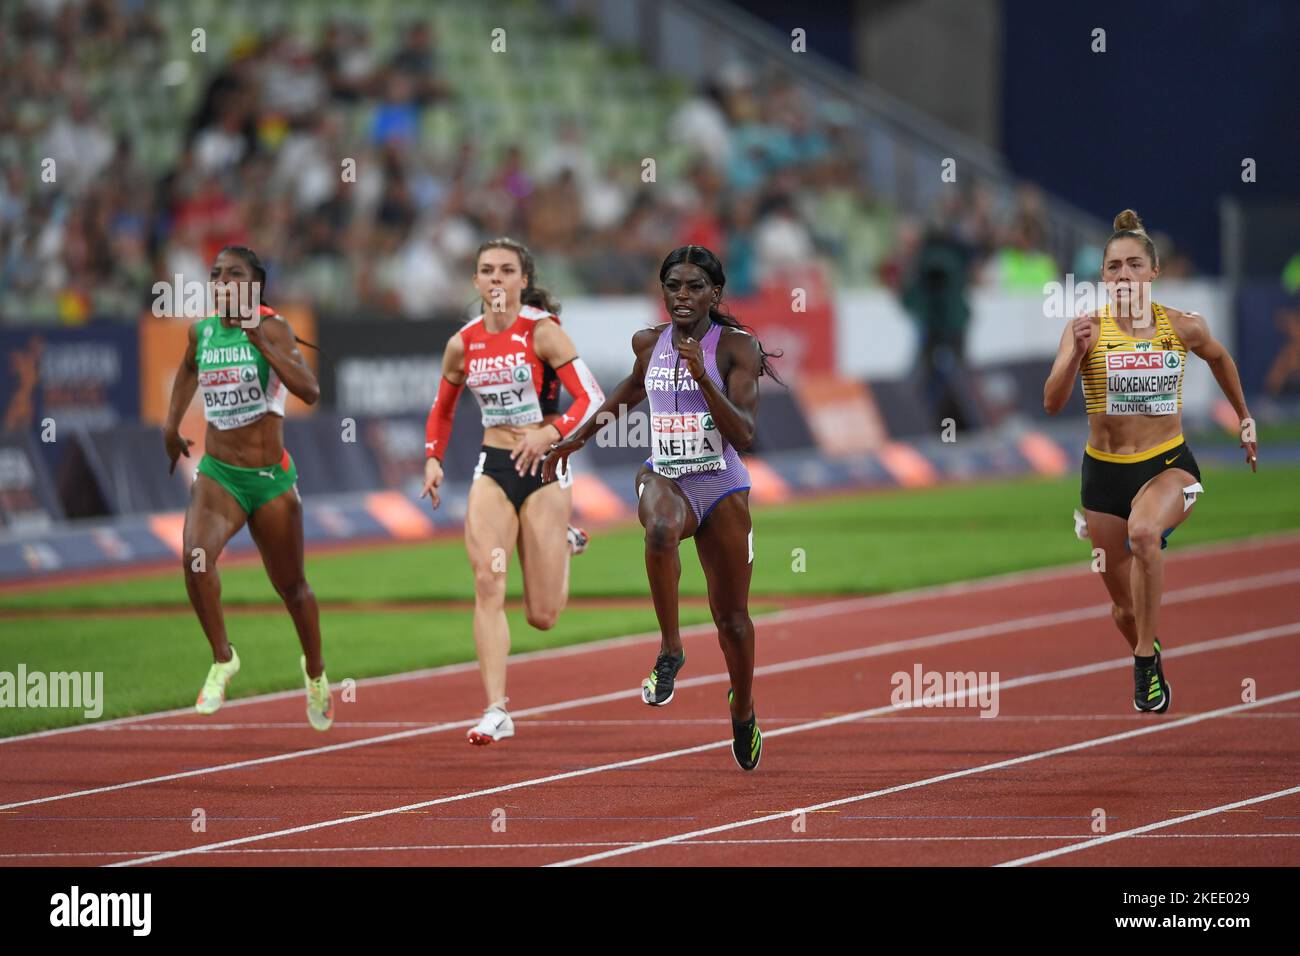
[[662, 533], [542, 618], [197, 561], [295, 593], [733, 625], [489, 583], [1123, 617], [1144, 539]]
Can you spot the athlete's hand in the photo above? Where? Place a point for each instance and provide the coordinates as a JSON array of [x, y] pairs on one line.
[[1082, 329], [177, 445], [432, 479], [693, 356], [559, 454], [531, 447], [1248, 442]]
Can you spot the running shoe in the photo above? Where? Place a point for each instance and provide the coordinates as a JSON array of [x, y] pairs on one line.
[[746, 739], [213, 694], [657, 689], [320, 705], [495, 725], [577, 540], [1151, 692]]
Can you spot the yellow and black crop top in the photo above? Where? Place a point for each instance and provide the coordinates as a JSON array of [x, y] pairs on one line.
[[1123, 375]]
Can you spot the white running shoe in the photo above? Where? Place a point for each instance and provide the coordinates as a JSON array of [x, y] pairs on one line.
[[320, 705], [495, 725], [213, 694], [577, 540]]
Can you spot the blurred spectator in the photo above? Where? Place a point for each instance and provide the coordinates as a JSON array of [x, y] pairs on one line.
[[935, 295]]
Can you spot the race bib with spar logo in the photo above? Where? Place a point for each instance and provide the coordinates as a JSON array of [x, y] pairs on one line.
[[507, 395], [686, 443], [232, 396], [1141, 380]]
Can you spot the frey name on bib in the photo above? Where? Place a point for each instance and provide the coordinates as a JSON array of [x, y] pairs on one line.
[[1142, 380], [686, 443], [507, 396]]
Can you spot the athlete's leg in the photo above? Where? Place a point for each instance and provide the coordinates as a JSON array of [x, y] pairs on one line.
[[544, 553], [276, 528], [667, 517], [1110, 533], [212, 518], [724, 544], [491, 528], [1157, 508]]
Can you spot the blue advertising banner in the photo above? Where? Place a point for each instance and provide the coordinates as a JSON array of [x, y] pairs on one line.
[[87, 377], [1268, 339]]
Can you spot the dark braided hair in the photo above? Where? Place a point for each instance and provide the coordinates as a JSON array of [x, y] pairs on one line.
[[259, 275], [706, 260], [533, 295]]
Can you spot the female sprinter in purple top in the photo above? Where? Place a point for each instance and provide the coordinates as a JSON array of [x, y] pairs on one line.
[[700, 372]]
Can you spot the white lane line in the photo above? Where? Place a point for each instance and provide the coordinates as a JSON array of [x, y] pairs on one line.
[[576, 844], [856, 604], [928, 781], [1158, 825], [873, 650], [800, 728]]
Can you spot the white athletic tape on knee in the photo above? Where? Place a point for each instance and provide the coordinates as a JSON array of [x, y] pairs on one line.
[[751, 546], [1189, 495]]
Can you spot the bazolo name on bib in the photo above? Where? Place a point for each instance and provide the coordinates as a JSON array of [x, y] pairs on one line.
[[686, 442]]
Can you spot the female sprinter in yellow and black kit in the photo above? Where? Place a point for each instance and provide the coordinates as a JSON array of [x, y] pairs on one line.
[[1140, 479]]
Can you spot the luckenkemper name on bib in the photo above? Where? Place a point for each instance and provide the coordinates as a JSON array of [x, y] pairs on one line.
[[686, 443], [1142, 381]]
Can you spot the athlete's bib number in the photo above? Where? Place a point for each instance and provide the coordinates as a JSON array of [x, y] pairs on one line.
[[1142, 382], [507, 396], [232, 397], [686, 443]]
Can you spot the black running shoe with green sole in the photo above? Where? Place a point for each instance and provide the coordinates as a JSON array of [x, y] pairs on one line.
[[1151, 692], [657, 689], [746, 739]]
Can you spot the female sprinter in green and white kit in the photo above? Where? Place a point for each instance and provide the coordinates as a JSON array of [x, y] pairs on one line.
[[244, 359]]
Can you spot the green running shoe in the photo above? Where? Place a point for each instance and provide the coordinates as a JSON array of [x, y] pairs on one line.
[[213, 693], [320, 705], [657, 689], [746, 739]]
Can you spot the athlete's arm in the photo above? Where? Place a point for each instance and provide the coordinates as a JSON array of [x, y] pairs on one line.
[[274, 339], [627, 395], [735, 409], [183, 388], [1076, 339], [557, 350], [1195, 333], [437, 427]]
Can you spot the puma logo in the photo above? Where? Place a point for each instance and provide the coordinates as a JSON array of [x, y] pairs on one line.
[[267, 474], [521, 339]]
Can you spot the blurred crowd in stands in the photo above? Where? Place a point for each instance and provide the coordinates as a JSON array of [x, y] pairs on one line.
[[776, 185]]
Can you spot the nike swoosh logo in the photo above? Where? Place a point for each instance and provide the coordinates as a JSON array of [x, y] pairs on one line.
[[1115, 346], [1170, 461]]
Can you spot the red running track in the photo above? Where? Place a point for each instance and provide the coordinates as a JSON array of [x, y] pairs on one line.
[[1066, 773]]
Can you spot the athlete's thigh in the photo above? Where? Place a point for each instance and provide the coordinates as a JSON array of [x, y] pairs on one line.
[[1110, 533], [543, 541], [491, 525], [661, 499], [1161, 502], [276, 528], [212, 518], [725, 545]]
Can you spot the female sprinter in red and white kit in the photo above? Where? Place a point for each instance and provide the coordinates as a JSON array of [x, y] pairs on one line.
[[513, 358]]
